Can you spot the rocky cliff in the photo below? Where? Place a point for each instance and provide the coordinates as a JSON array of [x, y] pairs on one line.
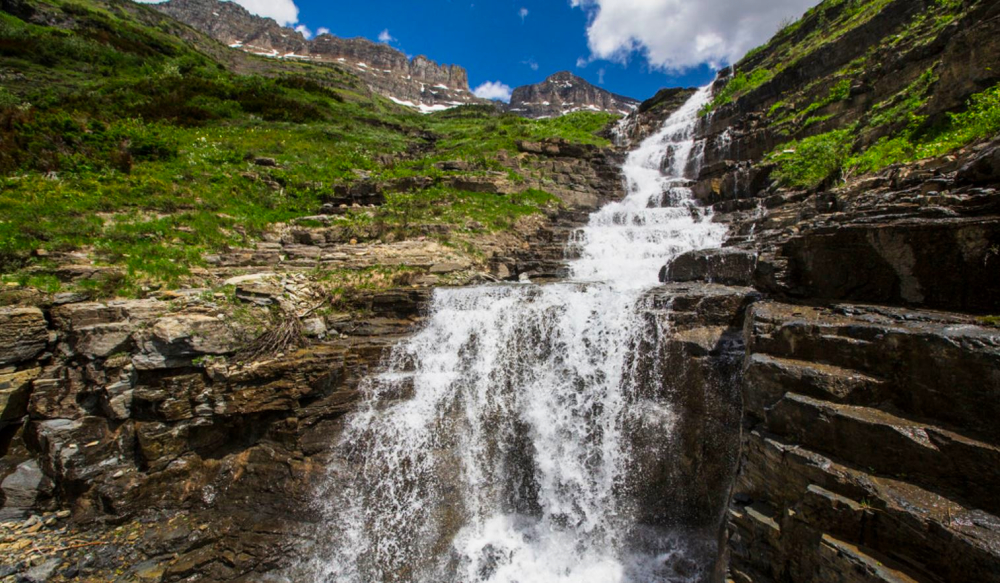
[[864, 211], [417, 82], [563, 93]]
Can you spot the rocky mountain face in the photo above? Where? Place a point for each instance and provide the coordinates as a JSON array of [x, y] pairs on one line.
[[868, 349], [563, 93], [419, 83]]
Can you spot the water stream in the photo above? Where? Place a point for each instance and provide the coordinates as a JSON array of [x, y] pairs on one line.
[[495, 445]]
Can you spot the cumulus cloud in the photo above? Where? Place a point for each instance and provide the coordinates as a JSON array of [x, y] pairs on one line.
[[385, 37], [284, 12], [322, 30], [493, 90], [304, 31], [523, 13], [680, 34]]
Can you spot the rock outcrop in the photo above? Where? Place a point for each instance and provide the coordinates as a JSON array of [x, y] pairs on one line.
[[419, 82], [869, 384], [564, 93]]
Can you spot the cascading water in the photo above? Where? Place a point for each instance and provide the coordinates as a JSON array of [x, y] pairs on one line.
[[496, 444]]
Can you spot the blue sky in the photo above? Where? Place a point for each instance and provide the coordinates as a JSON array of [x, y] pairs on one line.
[[631, 47], [490, 39]]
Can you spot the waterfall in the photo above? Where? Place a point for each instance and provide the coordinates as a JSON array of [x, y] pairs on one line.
[[496, 445]]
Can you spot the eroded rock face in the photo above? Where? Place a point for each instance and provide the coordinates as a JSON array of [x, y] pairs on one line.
[[862, 453], [416, 82], [692, 354], [141, 418], [563, 93]]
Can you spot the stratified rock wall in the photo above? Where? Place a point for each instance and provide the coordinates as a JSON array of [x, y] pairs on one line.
[[870, 383]]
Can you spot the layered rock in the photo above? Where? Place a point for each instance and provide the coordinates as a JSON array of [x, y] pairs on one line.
[[564, 93], [861, 460], [417, 82]]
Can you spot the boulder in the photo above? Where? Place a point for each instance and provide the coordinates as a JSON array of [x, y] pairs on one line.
[[77, 452], [23, 334], [15, 388], [983, 169], [102, 340], [174, 341], [43, 572], [23, 490], [724, 266]]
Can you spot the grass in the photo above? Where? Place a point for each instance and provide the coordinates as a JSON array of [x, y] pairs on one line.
[[120, 140], [917, 141], [825, 23], [740, 84], [808, 163], [811, 162]]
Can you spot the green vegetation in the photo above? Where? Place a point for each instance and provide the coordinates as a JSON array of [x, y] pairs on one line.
[[901, 107], [119, 140], [820, 26], [809, 162], [917, 141], [740, 84]]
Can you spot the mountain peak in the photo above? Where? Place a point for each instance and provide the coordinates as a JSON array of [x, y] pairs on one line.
[[564, 92]]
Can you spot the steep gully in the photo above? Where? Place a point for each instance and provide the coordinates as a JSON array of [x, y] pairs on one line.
[[514, 437]]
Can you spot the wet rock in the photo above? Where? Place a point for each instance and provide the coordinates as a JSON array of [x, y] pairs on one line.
[[77, 451], [23, 334], [687, 406], [727, 266]]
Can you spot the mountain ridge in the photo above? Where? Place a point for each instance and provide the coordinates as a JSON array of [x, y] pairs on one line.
[[418, 82], [563, 92]]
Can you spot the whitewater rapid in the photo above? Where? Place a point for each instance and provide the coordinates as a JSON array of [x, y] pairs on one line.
[[494, 446]]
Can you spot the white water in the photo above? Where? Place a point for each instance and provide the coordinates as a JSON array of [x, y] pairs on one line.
[[495, 446]]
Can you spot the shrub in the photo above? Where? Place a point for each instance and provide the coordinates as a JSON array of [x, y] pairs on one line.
[[809, 162]]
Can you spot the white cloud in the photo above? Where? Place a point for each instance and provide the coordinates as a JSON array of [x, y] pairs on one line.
[[304, 31], [285, 12], [322, 30], [494, 90], [600, 76], [523, 13], [531, 63], [582, 62], [679, 34], [385, 37]]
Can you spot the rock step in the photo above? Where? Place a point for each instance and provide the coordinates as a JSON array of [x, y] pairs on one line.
[[772, 377], [909, 361], [941, 460], [849, 563], [809, 498]]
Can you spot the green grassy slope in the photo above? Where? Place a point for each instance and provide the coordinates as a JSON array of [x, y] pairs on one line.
[[822, 130], [129, 137]]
